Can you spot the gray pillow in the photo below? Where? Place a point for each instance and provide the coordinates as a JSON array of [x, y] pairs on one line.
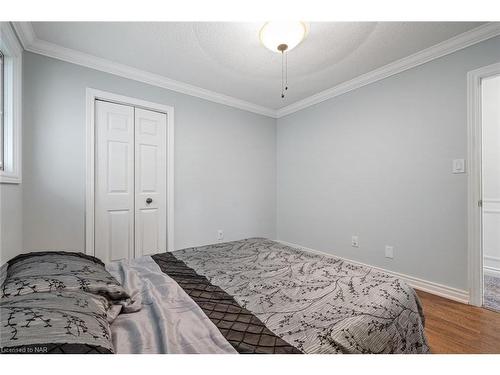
[[62, 302], [49, 271]]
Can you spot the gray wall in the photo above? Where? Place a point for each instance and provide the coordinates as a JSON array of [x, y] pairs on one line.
[[11, 209], [376, 162], [225, 160]]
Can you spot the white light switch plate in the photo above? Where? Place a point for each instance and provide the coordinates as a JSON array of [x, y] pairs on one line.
[[458, 166]]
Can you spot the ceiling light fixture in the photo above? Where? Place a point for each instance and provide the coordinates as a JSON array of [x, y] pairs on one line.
[[281, 37]]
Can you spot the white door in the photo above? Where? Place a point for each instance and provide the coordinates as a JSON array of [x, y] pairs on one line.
[[150, 182], [130, 182], [114, 181]]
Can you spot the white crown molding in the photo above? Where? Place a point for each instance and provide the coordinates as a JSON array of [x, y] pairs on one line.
[[446, 47], [420, 284], [31, 43], [24, 32]]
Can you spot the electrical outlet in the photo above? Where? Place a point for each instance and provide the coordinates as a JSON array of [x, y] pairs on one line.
[[354, 241], [458, 166], [389, 252], [220, 235]]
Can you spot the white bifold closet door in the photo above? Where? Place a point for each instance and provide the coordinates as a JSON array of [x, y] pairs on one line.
[[130, 182], [150, 182]]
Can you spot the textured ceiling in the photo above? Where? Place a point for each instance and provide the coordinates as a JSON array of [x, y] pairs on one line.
[[228, 58]]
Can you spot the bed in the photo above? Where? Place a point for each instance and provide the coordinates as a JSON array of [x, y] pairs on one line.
[[248, 296]]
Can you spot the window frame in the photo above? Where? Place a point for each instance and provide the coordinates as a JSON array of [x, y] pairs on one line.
[[12, 105]]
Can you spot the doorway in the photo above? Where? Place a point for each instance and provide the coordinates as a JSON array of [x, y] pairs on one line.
[[490, 124], [483, 189]]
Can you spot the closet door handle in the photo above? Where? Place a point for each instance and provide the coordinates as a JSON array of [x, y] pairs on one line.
[[149, 200]]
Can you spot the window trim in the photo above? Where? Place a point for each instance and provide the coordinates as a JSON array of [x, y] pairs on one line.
[[2, 102], [12, 51]]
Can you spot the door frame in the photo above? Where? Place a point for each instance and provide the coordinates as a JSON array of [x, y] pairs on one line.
[[474, 181], [91, 96]]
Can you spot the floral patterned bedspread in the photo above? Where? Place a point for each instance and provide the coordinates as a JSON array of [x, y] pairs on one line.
[[319, 304]]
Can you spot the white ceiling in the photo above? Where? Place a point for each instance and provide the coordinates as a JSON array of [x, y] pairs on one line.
[[228, 58]]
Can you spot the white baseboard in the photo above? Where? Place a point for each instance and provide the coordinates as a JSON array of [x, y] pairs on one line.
[[491, 262], [424, 285], [492, 271]]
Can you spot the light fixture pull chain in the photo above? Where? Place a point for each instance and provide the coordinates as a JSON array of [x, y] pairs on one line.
[[282, 74], [286, 70]]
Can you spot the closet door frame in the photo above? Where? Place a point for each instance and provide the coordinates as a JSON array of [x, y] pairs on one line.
[[91, 96]]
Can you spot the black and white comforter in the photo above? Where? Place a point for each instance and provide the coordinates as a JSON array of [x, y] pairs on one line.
[[310, 302]]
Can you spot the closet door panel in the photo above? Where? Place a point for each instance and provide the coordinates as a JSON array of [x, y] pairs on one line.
[[114, 182], [149, 233], [150, 182], [119, 233]]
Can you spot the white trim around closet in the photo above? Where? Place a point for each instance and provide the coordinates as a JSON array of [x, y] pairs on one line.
[[91, 96]]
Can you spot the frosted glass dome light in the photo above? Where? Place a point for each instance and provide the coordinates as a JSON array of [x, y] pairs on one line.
[[282, 35]]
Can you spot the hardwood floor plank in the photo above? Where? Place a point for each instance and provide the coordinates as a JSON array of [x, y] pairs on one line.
[[454, 327]]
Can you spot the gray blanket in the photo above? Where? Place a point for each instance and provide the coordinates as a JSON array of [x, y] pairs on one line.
[[169, 320], [319, 304]]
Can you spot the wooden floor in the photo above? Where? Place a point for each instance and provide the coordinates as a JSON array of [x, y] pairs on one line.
[[454, 327]]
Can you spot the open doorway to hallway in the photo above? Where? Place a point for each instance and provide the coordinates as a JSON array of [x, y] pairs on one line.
[[490, 117]]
